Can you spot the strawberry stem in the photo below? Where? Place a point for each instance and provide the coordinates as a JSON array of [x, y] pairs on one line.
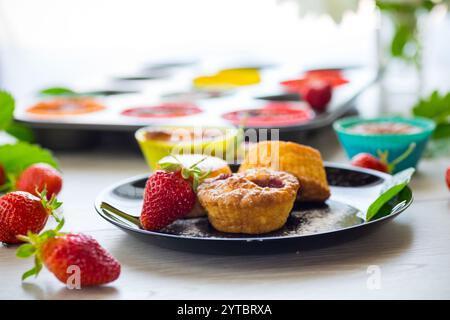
[[23, 238], [33, 246], [50, 204], [383, 157], [133, 219], [405, 154]]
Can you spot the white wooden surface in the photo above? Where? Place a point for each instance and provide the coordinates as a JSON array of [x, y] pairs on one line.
[[412, 251]]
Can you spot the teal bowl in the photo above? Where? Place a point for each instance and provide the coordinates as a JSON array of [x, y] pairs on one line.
[[396, 144]]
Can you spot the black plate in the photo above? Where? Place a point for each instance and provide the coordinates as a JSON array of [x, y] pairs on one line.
[[309, 226], [281, 97]]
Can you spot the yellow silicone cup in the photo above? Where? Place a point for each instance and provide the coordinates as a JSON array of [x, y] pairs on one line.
[[223, 147], [229, 78]]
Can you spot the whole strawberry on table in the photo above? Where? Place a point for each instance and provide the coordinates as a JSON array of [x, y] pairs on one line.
[[67, 255], [32, 200], [21, 212], [38, 177], [34, 179]]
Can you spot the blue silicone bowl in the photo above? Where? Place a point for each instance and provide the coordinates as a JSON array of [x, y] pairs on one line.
[[396, 144]]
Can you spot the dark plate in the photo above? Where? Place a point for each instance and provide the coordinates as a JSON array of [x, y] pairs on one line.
[[309, 226], [110, 92], [281, 97]]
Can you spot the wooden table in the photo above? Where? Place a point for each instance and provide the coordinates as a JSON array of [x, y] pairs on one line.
[[412, 252]]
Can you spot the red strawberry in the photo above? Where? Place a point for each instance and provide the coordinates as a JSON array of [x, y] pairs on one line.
[[2, 175], [62, 254], [21, 212], [318, 94], [168, 197], [39, 176], [366, 160], [447, 177]]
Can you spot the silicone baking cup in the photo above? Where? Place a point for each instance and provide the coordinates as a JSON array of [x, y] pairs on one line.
[[396, 144]]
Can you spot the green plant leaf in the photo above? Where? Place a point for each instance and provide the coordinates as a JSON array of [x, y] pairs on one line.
[[403, 34], [58, 91], [17, 157], [398, 6], [6, 109], [390, 189], [442, 131], [374, 209], [397, 201], [20, 132], [435, 107]]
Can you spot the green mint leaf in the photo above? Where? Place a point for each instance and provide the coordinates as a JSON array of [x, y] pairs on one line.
[[6, 109], [374, 209], [390, 189], [26, 250], [396, 202], [17, 157]]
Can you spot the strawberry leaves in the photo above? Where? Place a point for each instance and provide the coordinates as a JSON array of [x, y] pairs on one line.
[[192, 173], [32, 247], [50, 205], [26, 250], [33, 271]]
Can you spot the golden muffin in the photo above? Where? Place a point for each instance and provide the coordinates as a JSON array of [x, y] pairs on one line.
[[303, 162], [214, 165], [253, 202]]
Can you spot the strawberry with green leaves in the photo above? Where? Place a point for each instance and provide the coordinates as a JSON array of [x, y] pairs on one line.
[[170, 194], [22, 212], [380, 163], [59, 251]]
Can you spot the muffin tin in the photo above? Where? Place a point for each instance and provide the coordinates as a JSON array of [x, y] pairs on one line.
[[155, 97]]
